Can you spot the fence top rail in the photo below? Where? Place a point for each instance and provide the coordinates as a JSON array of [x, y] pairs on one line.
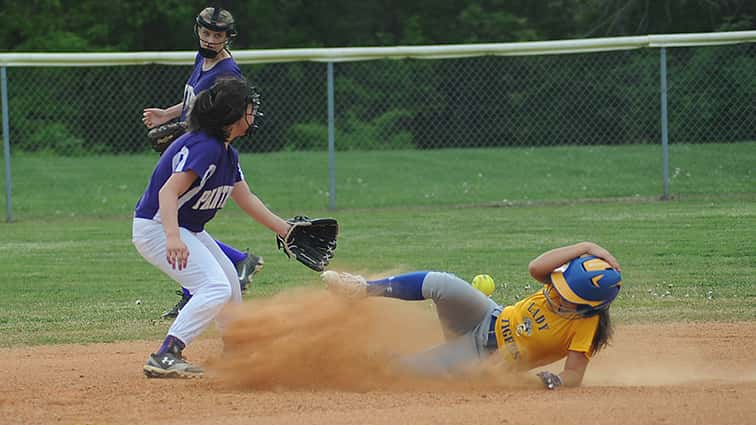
[[347, 54]]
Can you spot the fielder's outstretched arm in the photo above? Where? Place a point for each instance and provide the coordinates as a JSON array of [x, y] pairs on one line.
[[253, 206]]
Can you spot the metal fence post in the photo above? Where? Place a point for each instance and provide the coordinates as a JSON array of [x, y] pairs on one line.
[[331, 143], [6, 143], [664, 131]]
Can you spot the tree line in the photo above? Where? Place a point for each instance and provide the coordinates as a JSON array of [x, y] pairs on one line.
[[609, 98], [144, 25]]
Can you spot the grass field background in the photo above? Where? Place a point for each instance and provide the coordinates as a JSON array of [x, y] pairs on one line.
[[70, 273], [45, 187]]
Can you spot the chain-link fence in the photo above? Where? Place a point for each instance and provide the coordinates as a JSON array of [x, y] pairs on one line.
[[586, 99]]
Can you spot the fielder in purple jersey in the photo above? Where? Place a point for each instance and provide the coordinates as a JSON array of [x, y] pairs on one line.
[[191, 182], [202, 78], [220, 171], [214, 30]]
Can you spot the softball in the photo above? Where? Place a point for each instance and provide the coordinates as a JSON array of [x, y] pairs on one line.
[[484, 283]]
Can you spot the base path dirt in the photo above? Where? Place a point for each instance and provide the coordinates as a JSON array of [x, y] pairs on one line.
[[697, 373]]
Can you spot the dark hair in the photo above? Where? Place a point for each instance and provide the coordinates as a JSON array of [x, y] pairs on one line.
[[604, 332], [219, 106]]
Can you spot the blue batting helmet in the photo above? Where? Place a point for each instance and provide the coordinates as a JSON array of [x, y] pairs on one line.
[[588, 284]]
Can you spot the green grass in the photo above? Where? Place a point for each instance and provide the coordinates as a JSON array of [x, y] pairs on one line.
[[78, 279], [71, 275], [45, 187]]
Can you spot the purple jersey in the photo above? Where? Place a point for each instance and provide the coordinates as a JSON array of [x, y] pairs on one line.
[[203, 80], [217, 170]]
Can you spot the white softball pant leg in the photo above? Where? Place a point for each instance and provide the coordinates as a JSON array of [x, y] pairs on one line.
[[209, 275]]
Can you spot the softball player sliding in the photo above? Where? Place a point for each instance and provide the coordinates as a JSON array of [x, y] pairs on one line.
[[194, 179], [568, 318], [214, 29]]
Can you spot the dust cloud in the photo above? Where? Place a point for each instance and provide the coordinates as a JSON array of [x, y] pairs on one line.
[[313, 340], [687, 353]]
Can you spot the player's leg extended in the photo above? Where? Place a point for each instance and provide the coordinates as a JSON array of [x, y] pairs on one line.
[[464, 312], [406, 286], [460, 307], [453, 356]]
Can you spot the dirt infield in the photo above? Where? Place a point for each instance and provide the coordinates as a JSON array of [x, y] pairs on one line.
[[687, 374]]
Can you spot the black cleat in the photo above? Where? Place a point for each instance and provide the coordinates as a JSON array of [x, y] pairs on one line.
[[247, 268], [170, 365], [173, 312]]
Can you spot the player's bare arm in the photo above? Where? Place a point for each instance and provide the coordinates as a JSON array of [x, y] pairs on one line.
[[253, 206], [176, 251], [542, 266], [574, 369], [600, 252], [153, 117], [572, 376]]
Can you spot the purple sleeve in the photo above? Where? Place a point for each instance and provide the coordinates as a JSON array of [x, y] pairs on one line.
[[227, 68], [198, 157], [239, 176]]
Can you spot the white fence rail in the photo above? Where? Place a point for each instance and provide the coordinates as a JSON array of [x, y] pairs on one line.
[[351, 54], [588, 91]]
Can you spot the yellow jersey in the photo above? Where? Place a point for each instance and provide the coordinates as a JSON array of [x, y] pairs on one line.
[[530, 335]]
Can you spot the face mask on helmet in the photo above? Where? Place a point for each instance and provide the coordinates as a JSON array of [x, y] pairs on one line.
[[214, 24], [564, 308], [253, 99], [584, 288], [231, 113]]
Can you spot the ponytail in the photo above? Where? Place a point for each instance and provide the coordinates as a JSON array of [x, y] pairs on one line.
[[604, 332], [218, 107]]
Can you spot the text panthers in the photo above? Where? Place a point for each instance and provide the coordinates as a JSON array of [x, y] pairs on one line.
[[213, 199]]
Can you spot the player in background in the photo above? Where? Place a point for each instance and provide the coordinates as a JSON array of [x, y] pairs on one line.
[[214, 30], [191, 182], [568, 318]]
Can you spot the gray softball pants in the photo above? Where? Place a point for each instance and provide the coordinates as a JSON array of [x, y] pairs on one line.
[[466, 315]]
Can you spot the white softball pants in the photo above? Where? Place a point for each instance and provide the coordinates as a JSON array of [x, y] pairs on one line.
[[209, 275]]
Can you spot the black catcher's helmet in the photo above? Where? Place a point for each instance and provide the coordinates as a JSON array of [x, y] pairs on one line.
[[214, 19]]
